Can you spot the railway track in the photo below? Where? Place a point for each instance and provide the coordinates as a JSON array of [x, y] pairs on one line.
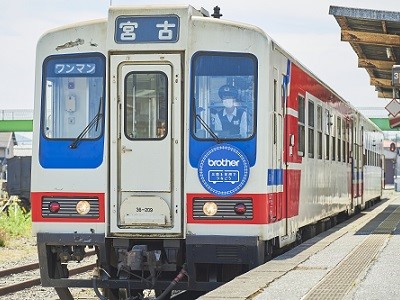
[[33, 279]]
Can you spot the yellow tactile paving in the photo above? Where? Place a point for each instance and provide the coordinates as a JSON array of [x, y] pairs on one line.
[[342, 278]]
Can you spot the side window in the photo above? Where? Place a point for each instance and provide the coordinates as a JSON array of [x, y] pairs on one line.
[[145, 109], [327, 133], [344, 137], [339, 138], [274, 110], [333, 131], [301, 125], [311, 137], [348, 139], [223, 96], [319, 131]]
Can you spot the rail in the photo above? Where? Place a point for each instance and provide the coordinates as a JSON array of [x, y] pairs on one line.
[[35, 280]]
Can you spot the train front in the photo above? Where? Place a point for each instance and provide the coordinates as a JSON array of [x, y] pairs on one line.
[[143, 143]]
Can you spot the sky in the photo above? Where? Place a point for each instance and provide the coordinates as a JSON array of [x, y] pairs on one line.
[[303, 28]]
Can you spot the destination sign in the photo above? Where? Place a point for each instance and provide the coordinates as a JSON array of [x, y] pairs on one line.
[[75, 68], [147, 29]]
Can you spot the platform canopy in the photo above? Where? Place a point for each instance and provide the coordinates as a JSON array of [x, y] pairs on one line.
[[375, 37]]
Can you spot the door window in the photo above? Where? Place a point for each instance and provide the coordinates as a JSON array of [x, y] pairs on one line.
[[145, 112]]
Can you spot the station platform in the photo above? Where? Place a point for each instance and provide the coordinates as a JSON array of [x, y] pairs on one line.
[[357, 259]]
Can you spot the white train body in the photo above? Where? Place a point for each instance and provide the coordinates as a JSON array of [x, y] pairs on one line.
[[129, 156]]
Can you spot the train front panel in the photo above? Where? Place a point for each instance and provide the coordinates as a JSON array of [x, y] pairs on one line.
[[142, 127]]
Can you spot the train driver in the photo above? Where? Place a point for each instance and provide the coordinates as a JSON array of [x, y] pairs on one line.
[[230, 122]]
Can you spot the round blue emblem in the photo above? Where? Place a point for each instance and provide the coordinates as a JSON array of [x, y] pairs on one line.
[[223, 170]]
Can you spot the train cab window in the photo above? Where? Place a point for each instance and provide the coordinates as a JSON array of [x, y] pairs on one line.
[[73, 97], [311, 137], [319, 131], [223, 96], [301, 124], [145, 109]]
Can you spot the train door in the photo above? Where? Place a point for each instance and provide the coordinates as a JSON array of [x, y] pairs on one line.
[[276, 212], [350, 156], [355, 161], [146, 161], [361, 166], [292, 156]]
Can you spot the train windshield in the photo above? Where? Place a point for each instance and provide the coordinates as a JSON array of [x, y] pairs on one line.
[[73, 97], [223, 95]]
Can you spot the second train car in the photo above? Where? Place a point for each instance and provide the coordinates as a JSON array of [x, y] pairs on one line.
[[184, 146]]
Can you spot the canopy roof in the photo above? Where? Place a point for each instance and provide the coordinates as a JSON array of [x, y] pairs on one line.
[[375, 37]]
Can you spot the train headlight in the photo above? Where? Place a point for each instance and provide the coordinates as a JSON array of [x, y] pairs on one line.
[[83, 207], [210, 208]]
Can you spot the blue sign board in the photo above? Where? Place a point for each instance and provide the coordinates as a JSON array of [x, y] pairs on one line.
[[223, 170], [147, 29], [75, 68]]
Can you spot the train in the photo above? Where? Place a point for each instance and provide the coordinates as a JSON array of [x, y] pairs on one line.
[[186, 149], [19, 180]]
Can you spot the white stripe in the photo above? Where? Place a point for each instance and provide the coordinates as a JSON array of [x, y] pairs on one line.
[[292, 112], [274, 188], [264, 231], [294, 166]]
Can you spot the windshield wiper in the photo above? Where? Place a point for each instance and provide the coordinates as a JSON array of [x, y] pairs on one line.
[[94, 121], [208, 129]]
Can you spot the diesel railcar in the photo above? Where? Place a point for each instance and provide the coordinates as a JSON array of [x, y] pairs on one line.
[[185, 148]]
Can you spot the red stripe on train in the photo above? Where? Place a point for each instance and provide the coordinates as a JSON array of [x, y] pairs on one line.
[[260, 208], [267, 208], [292, 189], [36, 204]]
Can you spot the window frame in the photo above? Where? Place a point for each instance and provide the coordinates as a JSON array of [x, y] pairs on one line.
[[48, 72], [166, 105], [320, 152], [301, 123], [311, 128], [250, 112]]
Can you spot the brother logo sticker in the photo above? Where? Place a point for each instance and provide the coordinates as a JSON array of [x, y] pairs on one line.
[[223, 170]]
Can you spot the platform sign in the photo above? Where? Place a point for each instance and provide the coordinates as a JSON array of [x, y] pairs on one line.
[[396, 75], [223, 170], [146, 29], [393, 107], [74, 68]]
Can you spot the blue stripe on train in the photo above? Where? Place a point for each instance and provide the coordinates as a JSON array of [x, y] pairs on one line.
[[275, 177]]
